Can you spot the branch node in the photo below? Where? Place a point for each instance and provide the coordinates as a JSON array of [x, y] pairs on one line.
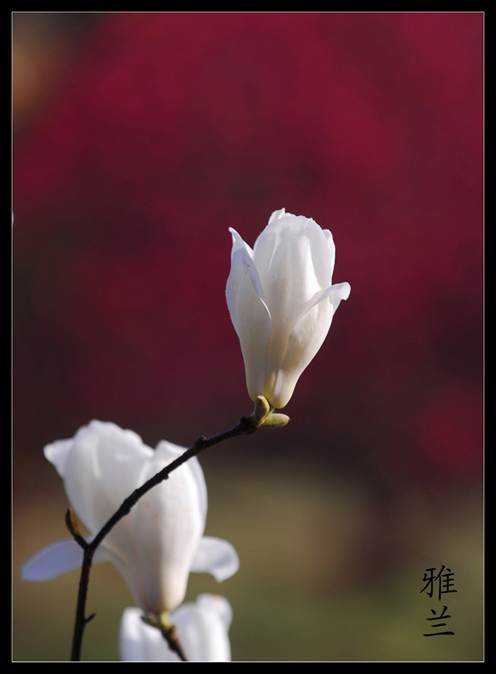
[[72, 525], [247, 426], [199, 443]]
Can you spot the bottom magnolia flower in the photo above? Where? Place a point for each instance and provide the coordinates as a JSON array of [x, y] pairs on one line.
[[160, 541], [202, 629]]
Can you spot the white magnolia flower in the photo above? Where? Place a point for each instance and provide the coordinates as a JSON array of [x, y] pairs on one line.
[[202, 630], [282, 301], [160, 541]]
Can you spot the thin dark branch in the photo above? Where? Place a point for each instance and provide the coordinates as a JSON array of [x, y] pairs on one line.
[[176, 647], [246, 425], [170, 635]]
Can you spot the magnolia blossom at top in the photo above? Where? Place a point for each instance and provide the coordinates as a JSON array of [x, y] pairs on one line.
[[282, 301], [160, 541], [202, 629]]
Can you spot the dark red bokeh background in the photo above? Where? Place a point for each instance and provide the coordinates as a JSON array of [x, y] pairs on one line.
[[166, 129]]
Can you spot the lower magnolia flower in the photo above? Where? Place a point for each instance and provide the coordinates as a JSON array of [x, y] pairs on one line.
[[282, 301], [202, 629], [160, 541]]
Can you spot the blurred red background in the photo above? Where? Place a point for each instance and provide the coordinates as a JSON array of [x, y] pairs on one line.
[[140, 138], [169, 128]]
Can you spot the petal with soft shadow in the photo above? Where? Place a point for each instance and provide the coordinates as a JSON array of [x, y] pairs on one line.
[[217, 557], [139, 642], [203, 627], [249, 314], [305, 341], [294, 265], [165, 453], [155, 544], [56, 559], [101, 466]]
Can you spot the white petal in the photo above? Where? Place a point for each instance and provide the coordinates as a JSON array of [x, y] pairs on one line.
[[277, 214], [57, 453], [168, 452], [202, 629], [304, 342], [100, 469], [217, 557], [331, 250], [243, 276], [218, 605], [154, 545], [249, 314], [339, 292], [57, 559], [292, 257], [139, 642]]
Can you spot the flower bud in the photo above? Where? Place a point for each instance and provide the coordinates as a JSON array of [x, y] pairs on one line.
[[281, 301]]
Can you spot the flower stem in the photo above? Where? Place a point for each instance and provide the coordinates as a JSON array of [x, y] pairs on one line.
[[245, 426]]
